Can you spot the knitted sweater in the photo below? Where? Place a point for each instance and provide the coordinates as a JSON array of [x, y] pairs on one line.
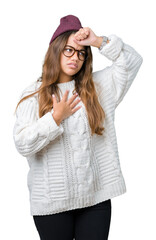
[[69, 168]]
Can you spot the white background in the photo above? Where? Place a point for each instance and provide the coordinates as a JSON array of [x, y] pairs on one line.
[[26, 29]]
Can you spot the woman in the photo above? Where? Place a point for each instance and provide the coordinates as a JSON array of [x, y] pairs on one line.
[[65, 128]]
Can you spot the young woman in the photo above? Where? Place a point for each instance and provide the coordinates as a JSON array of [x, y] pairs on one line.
[[65, 128]]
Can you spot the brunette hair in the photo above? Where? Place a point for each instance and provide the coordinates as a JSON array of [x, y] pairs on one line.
[[84, 84]]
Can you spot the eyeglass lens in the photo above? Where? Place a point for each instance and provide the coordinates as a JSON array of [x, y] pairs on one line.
[[69, 51]]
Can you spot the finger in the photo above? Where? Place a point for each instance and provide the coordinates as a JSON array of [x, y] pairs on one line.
[[78, 32], [78, 37], [64, 98], [72, 105], [83, 33], [76, 41], [87, 33], [75, 109], [86, 30], [54, 99], [72, 98]]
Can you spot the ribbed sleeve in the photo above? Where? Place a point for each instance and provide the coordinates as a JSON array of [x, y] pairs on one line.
[[31, 134], [125, 65]]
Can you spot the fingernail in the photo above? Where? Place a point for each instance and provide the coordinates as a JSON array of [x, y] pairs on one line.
[[53, 95]]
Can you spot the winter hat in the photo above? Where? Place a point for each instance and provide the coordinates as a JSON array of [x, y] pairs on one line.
[[67, 23]]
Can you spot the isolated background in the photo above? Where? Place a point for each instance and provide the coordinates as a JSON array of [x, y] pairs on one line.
[[26, 29]]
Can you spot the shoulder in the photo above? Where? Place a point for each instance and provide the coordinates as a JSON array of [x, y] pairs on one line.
[[29, 104]]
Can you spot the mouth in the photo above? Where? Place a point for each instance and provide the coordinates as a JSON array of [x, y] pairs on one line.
[[72, 65]]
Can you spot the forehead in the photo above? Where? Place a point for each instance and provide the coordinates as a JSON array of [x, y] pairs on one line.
[[73, 44]]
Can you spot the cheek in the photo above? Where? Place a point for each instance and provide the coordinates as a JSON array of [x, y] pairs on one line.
[[63, 62], [80, 65]]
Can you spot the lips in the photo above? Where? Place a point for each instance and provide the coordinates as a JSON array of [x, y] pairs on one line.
[[73, 65]]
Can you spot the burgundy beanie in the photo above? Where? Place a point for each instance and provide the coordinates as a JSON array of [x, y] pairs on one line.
[[67, 23]]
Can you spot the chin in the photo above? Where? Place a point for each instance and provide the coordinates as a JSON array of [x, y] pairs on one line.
[[71, 73]]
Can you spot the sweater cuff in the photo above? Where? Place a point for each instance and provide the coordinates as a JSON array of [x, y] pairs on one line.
[[53, 129], [112, 49]]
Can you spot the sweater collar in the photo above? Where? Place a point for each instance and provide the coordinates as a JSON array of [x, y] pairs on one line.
[[67, 85]]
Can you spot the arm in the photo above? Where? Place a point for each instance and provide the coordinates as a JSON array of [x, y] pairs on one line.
[[31, 134], [125, 65]]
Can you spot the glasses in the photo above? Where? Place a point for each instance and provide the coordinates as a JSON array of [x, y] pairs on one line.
[[69, 51]]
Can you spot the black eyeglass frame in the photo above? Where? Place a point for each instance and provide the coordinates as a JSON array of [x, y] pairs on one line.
[[75, 50]]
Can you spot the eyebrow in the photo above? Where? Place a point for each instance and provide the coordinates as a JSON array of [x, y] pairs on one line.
[[75, 48]]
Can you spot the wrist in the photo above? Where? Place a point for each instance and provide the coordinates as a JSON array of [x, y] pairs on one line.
[[104, 42], [97, 43], [56, 119]]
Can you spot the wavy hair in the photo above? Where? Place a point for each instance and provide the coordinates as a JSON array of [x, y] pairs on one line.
[[84, 84]]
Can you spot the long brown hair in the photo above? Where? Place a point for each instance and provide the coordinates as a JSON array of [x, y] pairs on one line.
[[84, 84]]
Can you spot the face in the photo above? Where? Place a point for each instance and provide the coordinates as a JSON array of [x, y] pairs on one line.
[[66, 68]]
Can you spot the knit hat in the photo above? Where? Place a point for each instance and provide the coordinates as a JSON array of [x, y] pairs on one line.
[[67, 23]]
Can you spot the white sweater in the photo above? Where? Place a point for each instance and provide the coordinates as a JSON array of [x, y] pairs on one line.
[[69, 168]]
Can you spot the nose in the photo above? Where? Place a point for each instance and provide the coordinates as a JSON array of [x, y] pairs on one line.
[[75, 56]]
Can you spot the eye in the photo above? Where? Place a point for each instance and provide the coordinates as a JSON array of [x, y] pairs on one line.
[[82, 53], [68, 49]]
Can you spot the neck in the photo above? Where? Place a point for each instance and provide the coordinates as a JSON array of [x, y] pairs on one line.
[[64, 78]]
